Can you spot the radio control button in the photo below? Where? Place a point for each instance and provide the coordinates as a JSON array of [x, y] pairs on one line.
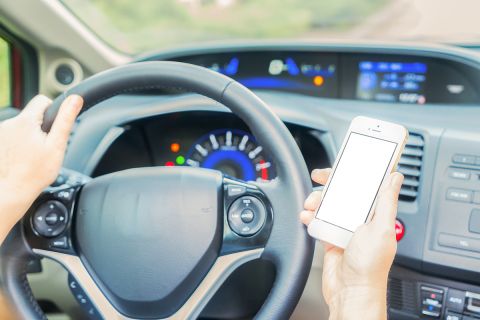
[[461, 195], [452, 241], [474, 223], [455, 300], [476, 197], [460, 174], [464, 159]]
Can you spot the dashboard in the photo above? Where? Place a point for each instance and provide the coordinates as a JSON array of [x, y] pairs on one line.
[[345, 75], [317, 89], [203, 139]]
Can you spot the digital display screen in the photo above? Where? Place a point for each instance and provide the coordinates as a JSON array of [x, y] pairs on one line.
[[372, 77], [299, 72], [392, 81], [356, 181]]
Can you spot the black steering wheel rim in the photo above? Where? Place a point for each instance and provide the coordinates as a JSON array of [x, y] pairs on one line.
[[288, 247]]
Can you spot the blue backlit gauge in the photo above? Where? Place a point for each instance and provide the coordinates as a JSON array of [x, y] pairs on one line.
[[229, 69], [233, 152]]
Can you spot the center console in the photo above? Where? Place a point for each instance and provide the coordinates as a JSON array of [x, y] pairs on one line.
[[446, 285], [414, 295], [453, 229]]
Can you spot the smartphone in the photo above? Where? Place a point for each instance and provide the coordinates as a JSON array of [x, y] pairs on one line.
[[370, 152]]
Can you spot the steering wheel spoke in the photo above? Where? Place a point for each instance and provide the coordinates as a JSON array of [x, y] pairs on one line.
[[97, 304], [52, 238], [48, 222]]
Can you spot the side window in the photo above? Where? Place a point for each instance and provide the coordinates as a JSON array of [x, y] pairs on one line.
[[5, 74]]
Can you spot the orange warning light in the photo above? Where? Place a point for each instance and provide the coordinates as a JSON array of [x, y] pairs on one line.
[[175, 147], [318, 81]]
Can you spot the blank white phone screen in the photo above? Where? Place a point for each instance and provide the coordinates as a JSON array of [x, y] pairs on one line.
[[356, 181]]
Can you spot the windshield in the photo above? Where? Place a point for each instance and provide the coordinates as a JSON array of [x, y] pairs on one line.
[[138, 26]]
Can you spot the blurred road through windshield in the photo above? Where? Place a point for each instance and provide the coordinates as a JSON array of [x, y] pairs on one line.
[[138, 26]]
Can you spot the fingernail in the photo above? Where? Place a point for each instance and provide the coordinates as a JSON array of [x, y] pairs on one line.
[[315, 171], [74, 100]]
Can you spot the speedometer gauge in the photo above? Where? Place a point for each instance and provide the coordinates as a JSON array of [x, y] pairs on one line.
[[233, 152]]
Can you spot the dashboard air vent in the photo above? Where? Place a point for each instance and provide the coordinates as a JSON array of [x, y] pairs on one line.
[[402, 295], [410, 166]]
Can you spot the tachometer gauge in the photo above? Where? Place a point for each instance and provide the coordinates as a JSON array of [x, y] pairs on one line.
[[234, 152]]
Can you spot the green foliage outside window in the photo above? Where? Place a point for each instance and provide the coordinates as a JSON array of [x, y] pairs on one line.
[[4, 74]]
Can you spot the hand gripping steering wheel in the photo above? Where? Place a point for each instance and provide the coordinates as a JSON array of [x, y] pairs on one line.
[[156, 243]]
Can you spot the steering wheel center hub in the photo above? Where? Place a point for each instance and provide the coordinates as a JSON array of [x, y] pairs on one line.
[[150, 235]]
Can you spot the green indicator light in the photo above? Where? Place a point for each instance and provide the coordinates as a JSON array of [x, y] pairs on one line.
[[180, 160]]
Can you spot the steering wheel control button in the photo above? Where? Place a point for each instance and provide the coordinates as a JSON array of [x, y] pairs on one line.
[[66, 194], [61, 179], [399, 230], [69, 178], [234, 191], [50, 219], [246, 216], [60, 243], [82, 299], [461, 195]]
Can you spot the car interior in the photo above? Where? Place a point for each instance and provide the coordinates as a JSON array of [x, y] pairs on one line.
[[169, 109]]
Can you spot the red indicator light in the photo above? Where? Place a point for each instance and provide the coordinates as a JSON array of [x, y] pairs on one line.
[[263, 171], [399, 230], [169, 164], [175, 147]]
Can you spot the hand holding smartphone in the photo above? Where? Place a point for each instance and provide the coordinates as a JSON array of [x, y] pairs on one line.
[[371, 151]]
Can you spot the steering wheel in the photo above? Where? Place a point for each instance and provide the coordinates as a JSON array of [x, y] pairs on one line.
[[156, 243]]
